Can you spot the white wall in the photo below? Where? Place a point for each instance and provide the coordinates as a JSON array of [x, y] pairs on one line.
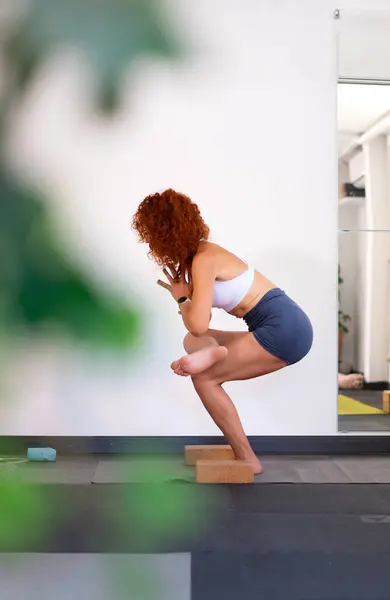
[[348, 260], [215, 129], [349, 214], [376, 159], [364, 251]]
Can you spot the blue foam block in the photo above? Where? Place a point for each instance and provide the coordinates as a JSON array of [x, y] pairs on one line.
[[41, 454]]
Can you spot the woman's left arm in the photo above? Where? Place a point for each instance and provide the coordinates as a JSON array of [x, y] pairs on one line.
[[196, 313]]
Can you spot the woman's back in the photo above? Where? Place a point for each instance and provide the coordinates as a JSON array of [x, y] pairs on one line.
[[237, 285]]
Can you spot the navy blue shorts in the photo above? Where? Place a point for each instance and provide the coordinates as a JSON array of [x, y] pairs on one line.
[[281, 326]]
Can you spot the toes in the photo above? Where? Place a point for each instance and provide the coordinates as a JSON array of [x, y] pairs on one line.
[[178, 369], [184, 363]]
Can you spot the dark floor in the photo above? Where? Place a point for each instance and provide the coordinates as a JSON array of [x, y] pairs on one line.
[[364, 422], [370, 397], [162, 537], [162, 469]]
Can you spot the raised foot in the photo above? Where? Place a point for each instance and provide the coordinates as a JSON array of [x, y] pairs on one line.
[[193, 364], [353, 381]]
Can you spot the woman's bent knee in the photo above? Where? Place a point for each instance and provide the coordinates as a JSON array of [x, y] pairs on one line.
[[192, 344], [187, 342]]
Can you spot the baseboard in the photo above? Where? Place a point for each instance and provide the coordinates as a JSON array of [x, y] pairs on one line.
[[332, 444], [377, 385]]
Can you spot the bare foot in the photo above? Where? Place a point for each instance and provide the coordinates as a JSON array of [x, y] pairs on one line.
[[256, 464], [257, 468], [176, 368], [353, 381], [199, 361]]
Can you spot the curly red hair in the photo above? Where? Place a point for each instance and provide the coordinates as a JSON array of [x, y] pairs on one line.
[[171, 224]]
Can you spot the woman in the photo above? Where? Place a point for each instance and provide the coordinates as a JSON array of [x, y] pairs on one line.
[[203, 275]]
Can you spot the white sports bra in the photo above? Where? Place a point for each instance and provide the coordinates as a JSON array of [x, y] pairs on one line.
[[228, 294]]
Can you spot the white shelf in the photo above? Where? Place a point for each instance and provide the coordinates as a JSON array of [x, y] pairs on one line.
[[351, 201]]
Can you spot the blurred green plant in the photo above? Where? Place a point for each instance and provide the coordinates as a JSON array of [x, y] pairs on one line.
[[25, 512], [40, 291], [112, 34], [165, 510]]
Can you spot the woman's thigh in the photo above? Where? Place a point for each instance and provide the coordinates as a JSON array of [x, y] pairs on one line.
[[246, 359], [222, 338], [225, 337]]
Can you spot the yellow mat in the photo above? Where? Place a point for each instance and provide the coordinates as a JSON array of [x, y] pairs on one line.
[[349, 406]]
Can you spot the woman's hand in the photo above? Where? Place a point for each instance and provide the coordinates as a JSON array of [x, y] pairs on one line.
[[178, 285]]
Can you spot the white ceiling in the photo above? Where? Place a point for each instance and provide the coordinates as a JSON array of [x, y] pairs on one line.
[[363, 43], [359, 106], [363, 50]]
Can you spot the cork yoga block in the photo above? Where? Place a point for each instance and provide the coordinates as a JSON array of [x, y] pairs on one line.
[[194, 453], [224, 471], [386, 401]]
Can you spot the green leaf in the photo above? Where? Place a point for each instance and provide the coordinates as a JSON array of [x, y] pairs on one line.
[[157, 510], [25, 511], [41, 291], [112, 34]]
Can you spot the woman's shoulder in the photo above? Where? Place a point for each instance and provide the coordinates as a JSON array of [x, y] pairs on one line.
[[209, 251], [210, 248]]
